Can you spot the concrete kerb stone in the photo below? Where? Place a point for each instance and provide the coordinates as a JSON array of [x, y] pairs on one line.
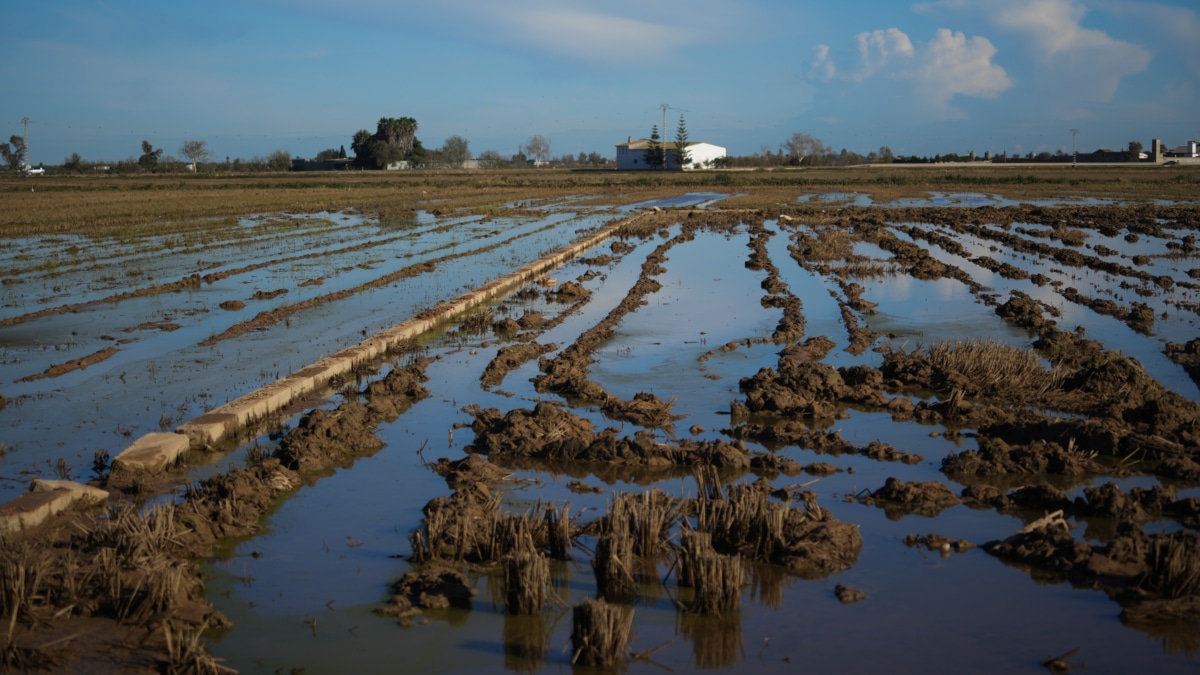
[[152, 452], [45, 499], [213, 427]]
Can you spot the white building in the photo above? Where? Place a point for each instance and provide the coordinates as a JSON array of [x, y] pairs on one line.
[[1190, 149], [631, 155]]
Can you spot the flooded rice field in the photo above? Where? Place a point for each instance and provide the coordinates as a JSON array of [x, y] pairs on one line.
[[959, 433]]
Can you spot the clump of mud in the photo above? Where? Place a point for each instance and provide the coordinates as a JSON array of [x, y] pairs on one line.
[[898, 498], [511, 357], [436, 587], [1155, 577], [553, 433]]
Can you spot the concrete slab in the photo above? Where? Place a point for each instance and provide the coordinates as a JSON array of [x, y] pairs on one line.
[[48, 498], [87, 494], [152, 452]]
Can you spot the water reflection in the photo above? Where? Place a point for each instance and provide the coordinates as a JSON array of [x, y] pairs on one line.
[[716, 641], [526, 642]]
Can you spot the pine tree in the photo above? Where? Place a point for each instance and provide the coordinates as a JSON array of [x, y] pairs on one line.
[[680, 155], [654, 156]]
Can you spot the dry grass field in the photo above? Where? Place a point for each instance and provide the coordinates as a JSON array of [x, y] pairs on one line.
[[104, 204]]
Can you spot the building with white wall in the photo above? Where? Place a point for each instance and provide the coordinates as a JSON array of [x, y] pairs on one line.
[[631, 155]]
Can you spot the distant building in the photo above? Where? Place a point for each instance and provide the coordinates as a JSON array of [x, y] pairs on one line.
[[339, 164], [1189, 149], [631, 155]]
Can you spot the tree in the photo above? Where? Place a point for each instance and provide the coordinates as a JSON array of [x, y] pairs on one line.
[[361, 147], [196, 151], [280, 160], [885, 155], [73, 164], [801, 146], [455, 151], [653, 155], [1135, 151], [326, 155], [490, 159], [538, 147], [14, 152], [149, 159], [395, 139], [680, 154]]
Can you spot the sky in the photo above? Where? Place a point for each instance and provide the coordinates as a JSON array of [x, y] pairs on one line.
[[249, 77]]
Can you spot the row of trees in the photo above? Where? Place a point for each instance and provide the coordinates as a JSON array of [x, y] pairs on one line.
[[802, 149]]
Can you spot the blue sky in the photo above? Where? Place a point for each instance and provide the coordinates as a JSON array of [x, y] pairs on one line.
[[253, 76]]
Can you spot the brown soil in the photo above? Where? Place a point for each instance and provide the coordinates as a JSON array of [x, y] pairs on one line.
[[509, 358], [847, 595], [898, 498], [70, 366], [1186, 355], [553, 433], [1155, 577]]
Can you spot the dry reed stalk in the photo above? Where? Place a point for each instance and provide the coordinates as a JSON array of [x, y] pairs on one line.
[[558, 532], [526, 580], [20, 586], [746, 522], [478, 322], [188, 655], [716, 579], [824, 244], [600, 633], [708, 482], [613, 561], [1174, 562], [650, 515], [991, 366]]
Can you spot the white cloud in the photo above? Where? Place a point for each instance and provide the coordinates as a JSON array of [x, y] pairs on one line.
[[949, 65], [877, 49], [1089, 62], [822, 67]]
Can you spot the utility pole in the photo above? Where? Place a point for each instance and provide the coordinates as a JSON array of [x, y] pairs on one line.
[[1074, 148], [25, 137]]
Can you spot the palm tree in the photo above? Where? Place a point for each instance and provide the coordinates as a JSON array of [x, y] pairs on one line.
[[407, 132]]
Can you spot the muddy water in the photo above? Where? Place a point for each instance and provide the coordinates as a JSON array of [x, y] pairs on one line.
[[301, 594]]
